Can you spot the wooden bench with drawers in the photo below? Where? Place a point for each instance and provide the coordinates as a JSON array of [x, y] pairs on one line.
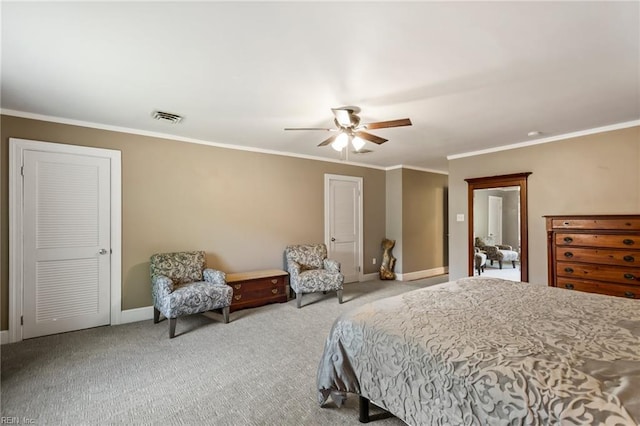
[[258, 288]]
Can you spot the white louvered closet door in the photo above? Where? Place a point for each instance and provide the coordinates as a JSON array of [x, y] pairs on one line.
[[66, 231]]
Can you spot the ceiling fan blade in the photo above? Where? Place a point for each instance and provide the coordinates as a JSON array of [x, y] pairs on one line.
[[328, 141], [310, 128], [370, 137], [385, 124]]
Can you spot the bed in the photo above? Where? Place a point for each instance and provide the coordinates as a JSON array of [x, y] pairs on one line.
[[486, 351]]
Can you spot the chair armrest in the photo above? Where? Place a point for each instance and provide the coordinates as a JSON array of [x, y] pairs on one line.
[[161, 286], [293, 268], [214, 276], [331, 265], [504, 247]]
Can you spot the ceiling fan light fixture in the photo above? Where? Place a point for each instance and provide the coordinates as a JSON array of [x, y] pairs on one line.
[[358, 143], [341, 142]]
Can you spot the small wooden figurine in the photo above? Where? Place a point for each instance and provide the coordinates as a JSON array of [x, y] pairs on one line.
[[388, 261]]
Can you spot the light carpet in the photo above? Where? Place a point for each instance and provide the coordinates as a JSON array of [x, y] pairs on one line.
[[260, 369]]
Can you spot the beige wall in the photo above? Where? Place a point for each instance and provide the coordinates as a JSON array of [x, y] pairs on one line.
[[598, 173], [241, 207], [416, 219], [394, 214], [423, 220]]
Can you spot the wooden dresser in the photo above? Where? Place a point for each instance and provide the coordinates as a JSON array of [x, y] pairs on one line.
[[596, 254], [258, 288]]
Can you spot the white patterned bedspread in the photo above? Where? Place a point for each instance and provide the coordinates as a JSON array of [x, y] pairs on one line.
[[485, 351]]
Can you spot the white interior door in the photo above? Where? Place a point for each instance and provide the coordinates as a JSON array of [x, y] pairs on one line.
[[343, 208], [66, 242], [495, 219]]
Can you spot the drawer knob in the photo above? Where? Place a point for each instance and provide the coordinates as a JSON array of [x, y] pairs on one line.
[[274, 290], [629, 259], [566, 223], [630, 276], [237, 286], [274, 281], [569, 270], [568, 254], [629, 294], [627, 241], [568, 240], [568, 286], [238, 297]]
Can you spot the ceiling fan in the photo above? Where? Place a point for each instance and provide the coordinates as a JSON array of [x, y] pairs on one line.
[[349, 129]]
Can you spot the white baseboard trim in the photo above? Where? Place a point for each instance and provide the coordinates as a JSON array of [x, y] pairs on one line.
[[4, 337], [410, 276], [370, 277], [137, 314]]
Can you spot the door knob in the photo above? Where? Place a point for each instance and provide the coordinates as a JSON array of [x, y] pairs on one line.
[[333, 239], [103, 251]]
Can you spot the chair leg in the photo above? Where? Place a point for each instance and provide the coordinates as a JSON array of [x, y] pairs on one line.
[[339, 296], [225, 314], [172, 327], [298, 300], [156, 315]]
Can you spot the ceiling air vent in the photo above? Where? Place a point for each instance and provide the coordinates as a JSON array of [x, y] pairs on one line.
[[166, 116]]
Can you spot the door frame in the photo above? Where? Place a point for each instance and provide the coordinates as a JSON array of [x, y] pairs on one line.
[[16, 185], [327, 230]]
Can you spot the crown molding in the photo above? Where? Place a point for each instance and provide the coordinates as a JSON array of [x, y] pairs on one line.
[[602, 129], [59, 120]]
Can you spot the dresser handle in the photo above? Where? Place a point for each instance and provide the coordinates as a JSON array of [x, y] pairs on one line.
[[629, 294], [566, 223], [238, 297], [568, 286], [568, 254], [568, 240], [627, 241], [274, 281], [629, 259], [237, 286], [569, 270], [630, 276], [274, 290]]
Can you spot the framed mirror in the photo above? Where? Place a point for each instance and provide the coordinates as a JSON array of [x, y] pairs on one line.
[[497, 207]]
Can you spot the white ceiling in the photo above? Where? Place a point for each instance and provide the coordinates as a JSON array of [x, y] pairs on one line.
[[470, 75]]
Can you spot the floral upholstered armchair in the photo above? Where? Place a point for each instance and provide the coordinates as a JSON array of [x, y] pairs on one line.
[[181, 285], [498, 252], [480, 260], [310, 271]]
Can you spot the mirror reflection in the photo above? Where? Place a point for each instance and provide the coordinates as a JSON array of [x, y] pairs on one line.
[[496, 232]]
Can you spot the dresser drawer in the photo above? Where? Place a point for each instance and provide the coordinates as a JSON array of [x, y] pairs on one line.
[[253, 294], [262, 283], [631, 223], [630, 291], [601, 256], [628, 241], [614, 274]]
